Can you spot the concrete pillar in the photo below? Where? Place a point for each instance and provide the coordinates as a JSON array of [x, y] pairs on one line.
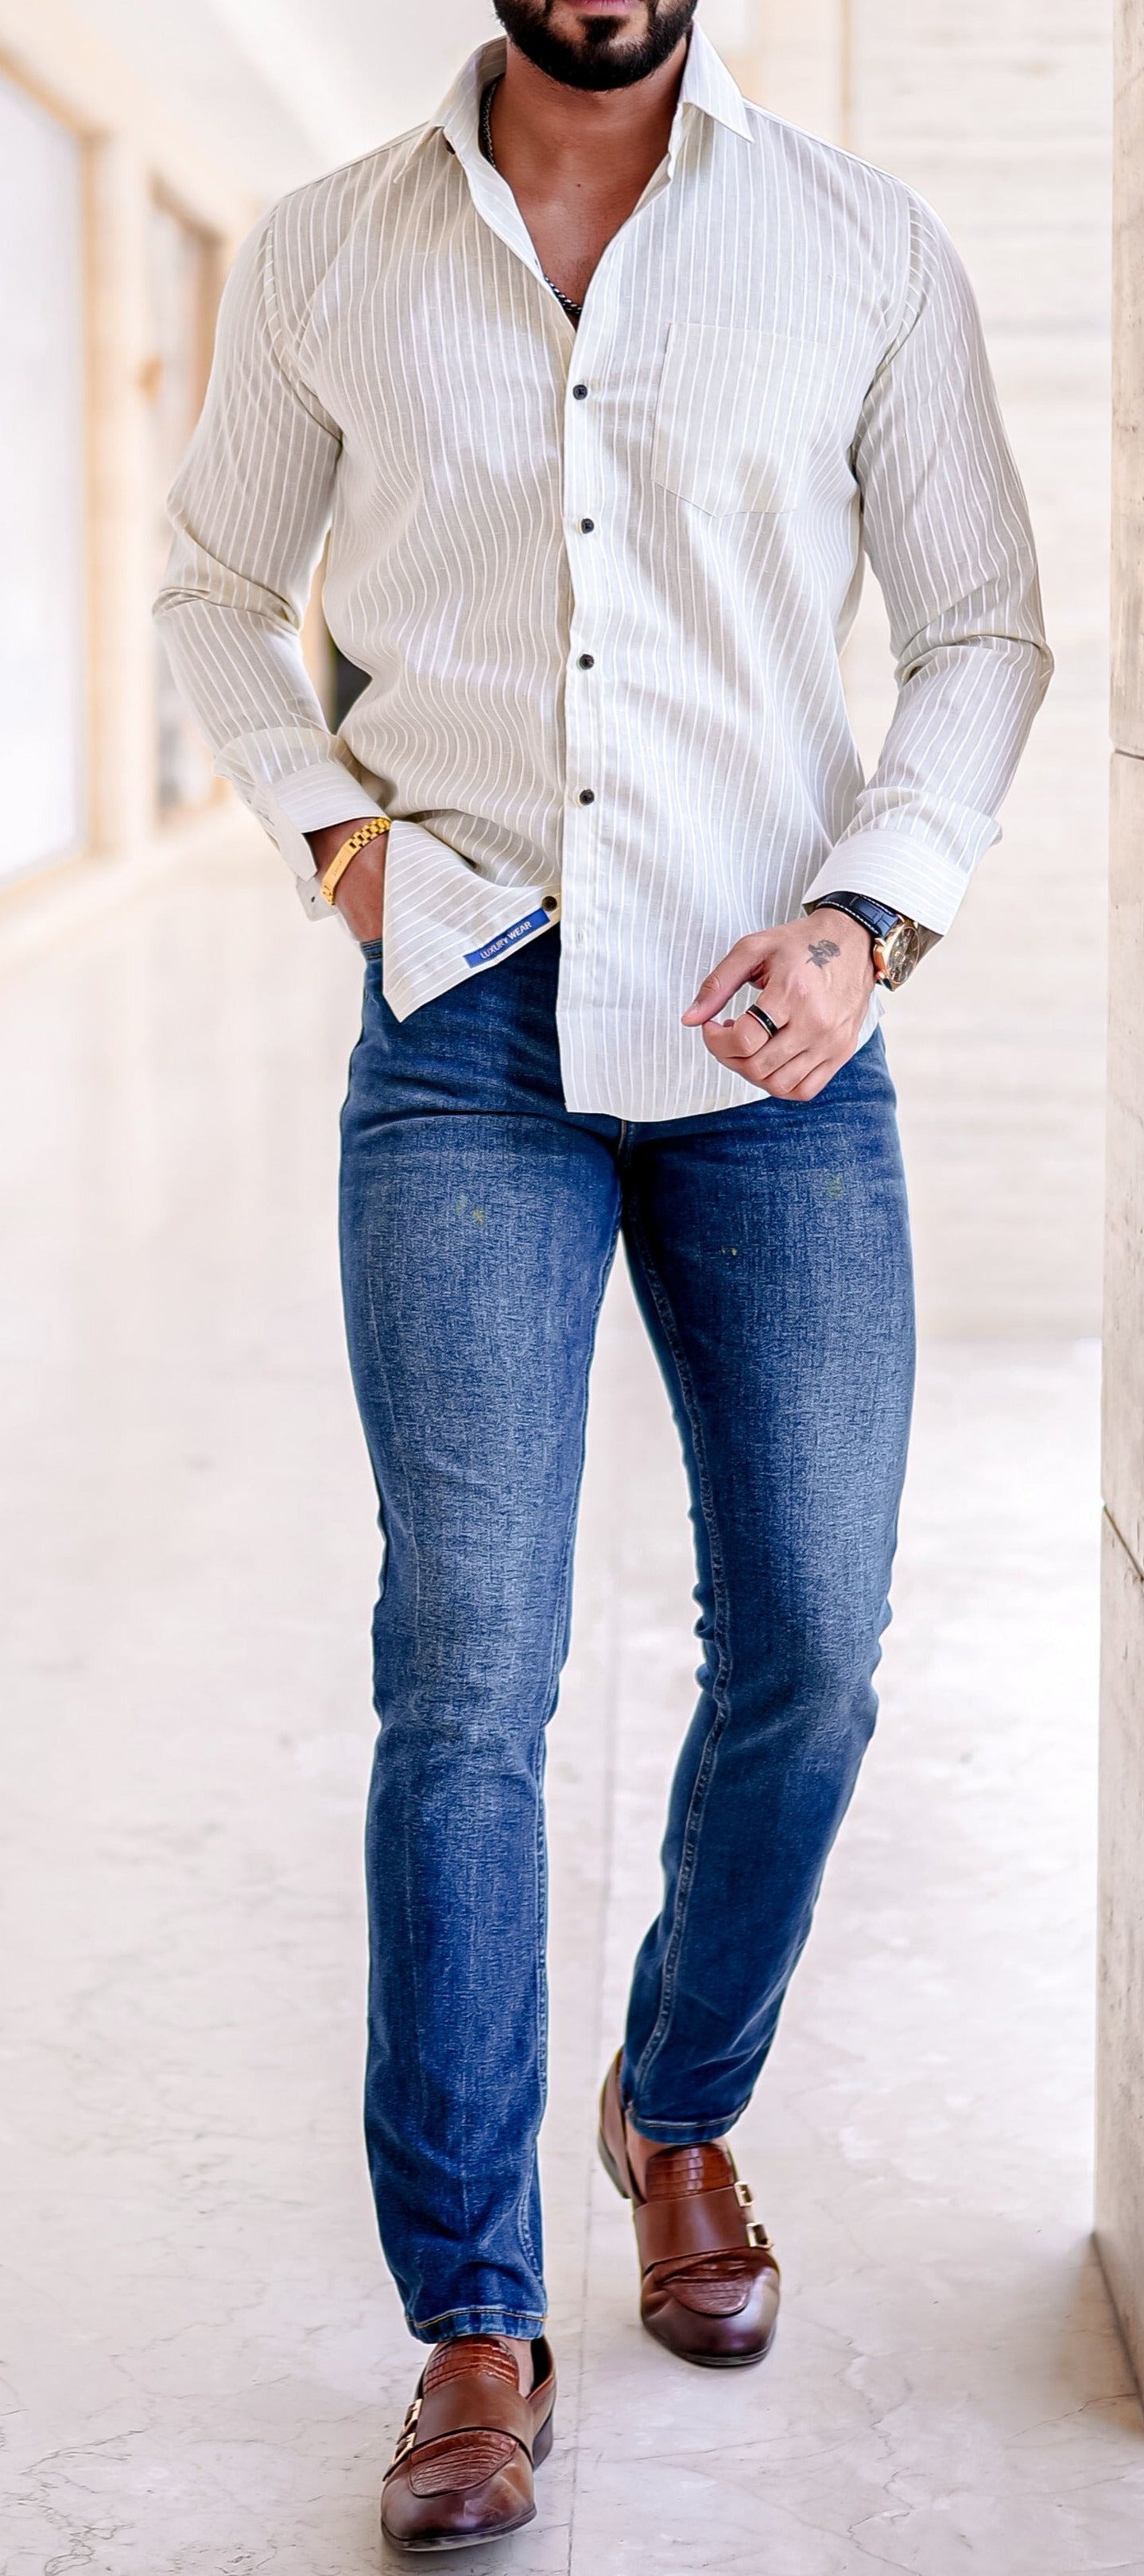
[[1120, 2068]]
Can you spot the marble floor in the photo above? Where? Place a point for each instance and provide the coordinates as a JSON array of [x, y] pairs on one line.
[[202, 2363]]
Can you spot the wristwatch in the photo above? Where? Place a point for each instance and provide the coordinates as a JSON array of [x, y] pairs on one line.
[[898, 943]]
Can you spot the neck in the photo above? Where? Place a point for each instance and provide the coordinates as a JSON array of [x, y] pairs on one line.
[[570, 132]]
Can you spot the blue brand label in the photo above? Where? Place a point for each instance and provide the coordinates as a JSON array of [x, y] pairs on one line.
[[538, 920]]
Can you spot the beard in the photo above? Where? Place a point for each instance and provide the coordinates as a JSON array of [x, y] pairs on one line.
[[601, 60]]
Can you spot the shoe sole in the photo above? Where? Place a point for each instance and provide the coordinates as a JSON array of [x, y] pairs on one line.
[[698, 2360], [716, 2360], [476, 2539], [451, 2545]]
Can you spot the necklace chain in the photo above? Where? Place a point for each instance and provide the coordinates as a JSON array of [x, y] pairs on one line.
[[572, 309]]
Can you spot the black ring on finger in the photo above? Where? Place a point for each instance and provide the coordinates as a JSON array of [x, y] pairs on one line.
[[756, 1012]]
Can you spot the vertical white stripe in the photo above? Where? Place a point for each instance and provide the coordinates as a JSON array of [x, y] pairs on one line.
[[783, 362]]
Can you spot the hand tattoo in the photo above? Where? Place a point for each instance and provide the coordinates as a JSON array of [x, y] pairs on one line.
[[820, 949]]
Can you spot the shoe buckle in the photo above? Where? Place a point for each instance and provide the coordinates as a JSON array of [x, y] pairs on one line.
[[407, 2437], [756, 2232]]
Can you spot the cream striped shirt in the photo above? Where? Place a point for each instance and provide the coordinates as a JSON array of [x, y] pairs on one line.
[[600, 578]]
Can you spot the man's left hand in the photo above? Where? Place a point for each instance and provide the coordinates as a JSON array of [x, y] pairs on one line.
[[814, 978]]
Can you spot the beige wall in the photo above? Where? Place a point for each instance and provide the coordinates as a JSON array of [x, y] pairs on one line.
[[796, 60], [1000, 116], [1120, 2082]]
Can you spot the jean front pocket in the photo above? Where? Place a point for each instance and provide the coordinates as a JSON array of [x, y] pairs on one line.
[[735, 416], [371, 950]]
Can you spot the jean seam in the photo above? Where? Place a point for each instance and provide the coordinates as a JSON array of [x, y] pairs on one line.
[[367, 1257], [559, 1629], [397, 1445], [722, 1675], [524, 2229], [397, 1450], [559, 1624]]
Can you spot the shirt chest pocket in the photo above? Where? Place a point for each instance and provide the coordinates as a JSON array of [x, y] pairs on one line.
[[734, 416]]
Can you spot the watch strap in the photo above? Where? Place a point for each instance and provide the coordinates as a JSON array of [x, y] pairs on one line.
[[878, 918]]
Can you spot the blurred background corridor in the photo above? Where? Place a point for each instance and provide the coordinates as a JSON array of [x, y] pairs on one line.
[[202, 2360]]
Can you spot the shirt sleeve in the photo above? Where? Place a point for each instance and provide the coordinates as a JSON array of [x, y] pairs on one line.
[[250, 510], [946, 529]]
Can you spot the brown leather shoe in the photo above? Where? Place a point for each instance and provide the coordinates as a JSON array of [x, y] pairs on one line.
[[710, 2287], [462, 2470]]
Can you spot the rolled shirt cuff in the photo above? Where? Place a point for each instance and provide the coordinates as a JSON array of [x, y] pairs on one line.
[[308, 800], [921, 883]]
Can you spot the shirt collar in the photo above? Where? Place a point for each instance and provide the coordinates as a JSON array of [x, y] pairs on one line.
[[706, 85]]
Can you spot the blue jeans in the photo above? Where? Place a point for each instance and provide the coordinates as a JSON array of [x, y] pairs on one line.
[[769, 1248]]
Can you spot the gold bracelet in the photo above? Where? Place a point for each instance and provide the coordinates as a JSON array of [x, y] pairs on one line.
[[371, 831]]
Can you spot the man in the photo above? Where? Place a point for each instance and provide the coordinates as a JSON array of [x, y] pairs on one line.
[[603, 383]]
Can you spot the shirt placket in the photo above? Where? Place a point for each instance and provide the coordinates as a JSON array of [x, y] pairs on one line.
[[593, 545], [590, 538]]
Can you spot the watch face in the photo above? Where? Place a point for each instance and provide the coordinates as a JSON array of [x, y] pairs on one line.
[[897, 954]]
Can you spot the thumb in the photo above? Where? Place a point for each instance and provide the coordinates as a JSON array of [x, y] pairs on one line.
[[741, 965]]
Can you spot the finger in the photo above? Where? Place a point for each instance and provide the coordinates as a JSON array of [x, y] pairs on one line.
[[771, 1021], [812, 1084], [761, 1064], [807, 1016], [740, 966], [796, 1008], [786, 1084], [737, 1042], [816, 1082], [806, 1030], [806, 1077], [798, 1079]]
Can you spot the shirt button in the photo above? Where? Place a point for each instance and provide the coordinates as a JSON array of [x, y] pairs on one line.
[[579, 393], [587, 795], [587, 526], [587, 662]]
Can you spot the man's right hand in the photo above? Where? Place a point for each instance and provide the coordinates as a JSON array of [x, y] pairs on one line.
[[359, 896]]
